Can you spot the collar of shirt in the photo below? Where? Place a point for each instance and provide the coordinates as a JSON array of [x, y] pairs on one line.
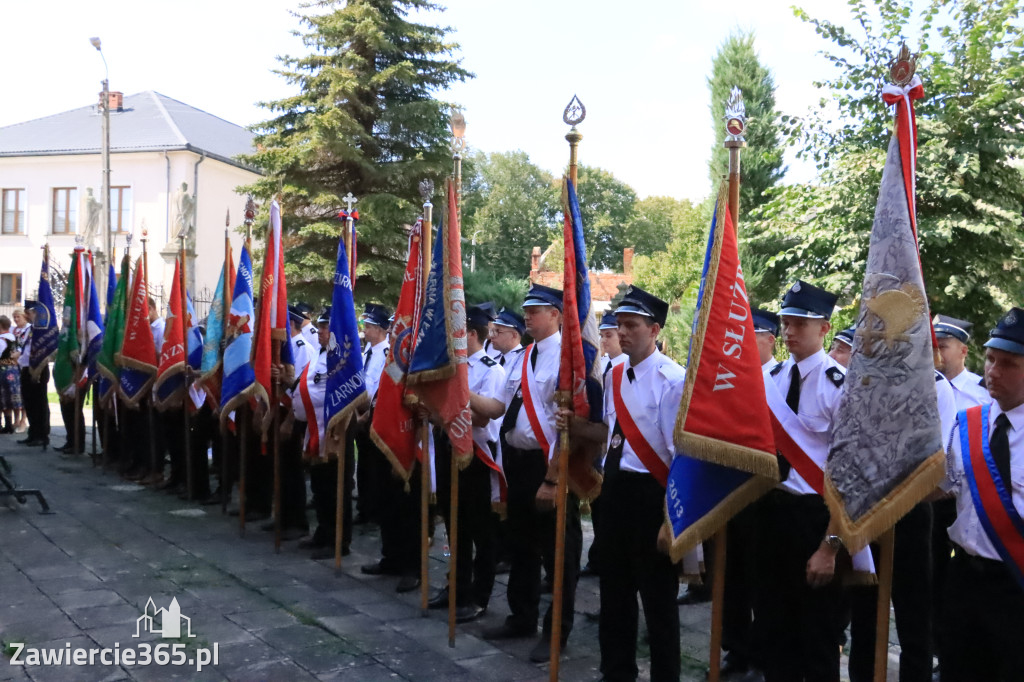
[[1016, 417], [965, 379], [379, 347], [809, 363], [475, 357], [553, 342], [645, 366]]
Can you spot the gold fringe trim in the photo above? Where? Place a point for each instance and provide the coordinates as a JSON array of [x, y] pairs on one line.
[[463, 459], [136, 402], [132, 363], [715, 520], [750, 460], [255, 390], [697, 342], [209, 376], [336, 428], [857, 534], [429, 375], [176, 398], [37, 372]]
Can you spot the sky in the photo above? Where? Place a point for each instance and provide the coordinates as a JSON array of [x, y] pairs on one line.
[[639, 67]]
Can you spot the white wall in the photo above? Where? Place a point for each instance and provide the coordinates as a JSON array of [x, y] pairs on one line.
[[152, 206]]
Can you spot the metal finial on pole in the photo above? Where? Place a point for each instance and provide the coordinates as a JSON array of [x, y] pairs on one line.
[[573, 115], [735, 127], [250, 218]]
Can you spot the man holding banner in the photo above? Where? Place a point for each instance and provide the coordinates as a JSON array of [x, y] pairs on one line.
[[982, 631], [798, 597], [641, 400]]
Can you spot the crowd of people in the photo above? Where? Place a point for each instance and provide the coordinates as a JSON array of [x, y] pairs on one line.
[[789, 594], [14, 336]]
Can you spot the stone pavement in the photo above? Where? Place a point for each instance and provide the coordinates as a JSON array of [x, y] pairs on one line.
[[83, 576]]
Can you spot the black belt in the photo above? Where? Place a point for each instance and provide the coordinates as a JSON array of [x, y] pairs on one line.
[[988, 567], [512, 450]]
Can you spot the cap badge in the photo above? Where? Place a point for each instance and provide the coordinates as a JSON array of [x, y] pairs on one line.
[[796, 287]]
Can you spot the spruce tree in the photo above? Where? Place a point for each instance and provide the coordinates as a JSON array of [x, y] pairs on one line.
[[365, 120], [736, 64]]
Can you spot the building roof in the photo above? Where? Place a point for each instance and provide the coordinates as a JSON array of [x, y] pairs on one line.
[[147, 122]]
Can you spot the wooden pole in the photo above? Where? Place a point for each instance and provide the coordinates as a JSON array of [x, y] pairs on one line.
[[717, 604], [187, 442], [242, 420], [95, 388], [886, 545], [106, 434], [275, 399], [425, 248], [225, 480], [339, 511], [562, 493], [453, 546], [155, 467]]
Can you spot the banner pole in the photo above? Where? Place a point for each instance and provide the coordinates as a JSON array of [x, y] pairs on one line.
[[225, 447], [886, 544], [242, 419], [156, 469], [424, 428], [187, 436], [717, 605], [339, 511], [275, 401]]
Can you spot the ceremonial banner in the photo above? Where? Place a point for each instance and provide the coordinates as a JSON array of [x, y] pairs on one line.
[[439, 370], [346, 388], [170, 379], [272, 318], [113, 334], [580, 339], [393, 427], [723, 433], [885, 454], [69, 348], [137, 357], [93, 322], [193, 336], [211, 364], [45, 334], [239, 377]]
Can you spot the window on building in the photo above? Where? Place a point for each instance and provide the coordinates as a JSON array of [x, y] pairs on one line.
[[10, 288], [65, 210], [13, 202], [121, 209]]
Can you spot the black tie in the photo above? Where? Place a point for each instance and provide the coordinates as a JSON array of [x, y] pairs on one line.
[[793, 396], [501, 360], [369, 354], [999, 444], [533, 357], [614, 457]]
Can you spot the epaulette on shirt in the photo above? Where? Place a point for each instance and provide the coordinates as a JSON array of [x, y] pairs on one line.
[[488, 360], [836, 376], [776, 369], [300, 343], [981, 382]]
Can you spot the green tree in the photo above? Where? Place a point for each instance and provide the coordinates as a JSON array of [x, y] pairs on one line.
[[510, 205], [672, 272], [365, 120], [970, 187], [487, 285], [736, 64], [606, 206]]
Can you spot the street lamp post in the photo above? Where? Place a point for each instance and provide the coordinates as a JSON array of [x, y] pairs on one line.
[[105, 156]]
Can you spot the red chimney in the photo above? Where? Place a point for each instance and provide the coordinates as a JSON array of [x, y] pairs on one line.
[[115, 100], [627, 262]]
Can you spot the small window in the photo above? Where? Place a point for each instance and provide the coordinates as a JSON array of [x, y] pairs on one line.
[[65, 210], [10, 289], [13, 211], [121, 209]]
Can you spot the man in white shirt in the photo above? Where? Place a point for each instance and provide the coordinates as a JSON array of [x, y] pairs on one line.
[[799, 601], [954, 336], [156, 325], [479, 483], [842, 346], [506, 333], [766, 330], [371, 466], [641, 402], [303, 352], [982, 627]]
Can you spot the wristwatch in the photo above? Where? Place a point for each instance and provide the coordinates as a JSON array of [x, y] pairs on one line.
[[834, 542]]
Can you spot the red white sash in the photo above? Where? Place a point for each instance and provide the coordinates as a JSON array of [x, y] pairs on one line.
[[633, 427], [543, 431], [314, 430], [499, 487], [992, 496]]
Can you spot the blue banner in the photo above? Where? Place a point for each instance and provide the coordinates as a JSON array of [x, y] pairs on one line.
[[346, 386], [45, 333], [193, 337], [93, 327], [431, 346], [239, 377], [588, 323]]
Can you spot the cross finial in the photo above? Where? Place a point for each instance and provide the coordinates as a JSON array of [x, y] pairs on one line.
[[349, 201]]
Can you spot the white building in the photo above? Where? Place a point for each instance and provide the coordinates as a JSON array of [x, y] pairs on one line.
[[51, 175]]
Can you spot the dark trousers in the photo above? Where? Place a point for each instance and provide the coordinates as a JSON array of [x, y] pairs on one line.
[[293, 479], [531, 533], [323, 481], [801, 624], [259, 472], [173, 421], [369, 472], [595, 549], [475, 553], [37, 405], [943, 516], [982, 630], [634, 510], [203, 424], [136, 455], [911, 600], [738, 627], [68, 415], [399, 516]]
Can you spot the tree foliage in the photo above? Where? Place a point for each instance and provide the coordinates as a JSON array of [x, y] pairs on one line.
[[365, 120], [671, 272], [970, 186], [737, 64], [606, 206]]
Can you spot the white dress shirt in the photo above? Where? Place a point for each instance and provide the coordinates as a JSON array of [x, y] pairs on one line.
[[373, 365], [157, 327], [303, 351], [309, 331], [316, 383], [819, 406], [607, 362], [488, 380], [506, 360], [967, 530], [947, 405], [658, 387], [968, 391], [549, 355]]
